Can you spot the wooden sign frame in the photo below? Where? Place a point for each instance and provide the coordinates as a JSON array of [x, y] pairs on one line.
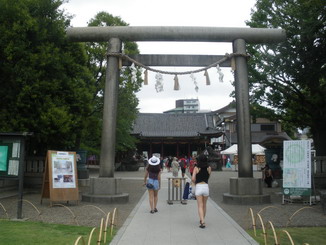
[[60, 181]]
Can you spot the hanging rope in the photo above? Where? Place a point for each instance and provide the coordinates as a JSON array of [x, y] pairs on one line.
[[215, 64]]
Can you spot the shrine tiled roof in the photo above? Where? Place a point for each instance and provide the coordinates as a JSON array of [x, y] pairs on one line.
[[174, 125]]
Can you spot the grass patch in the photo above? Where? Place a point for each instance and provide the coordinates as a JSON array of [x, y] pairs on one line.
[[300, 235], [26, 232]]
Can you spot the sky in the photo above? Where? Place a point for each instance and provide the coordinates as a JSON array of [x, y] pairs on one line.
[[210, 13]]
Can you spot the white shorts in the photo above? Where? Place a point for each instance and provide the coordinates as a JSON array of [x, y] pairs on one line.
[[202, 190]]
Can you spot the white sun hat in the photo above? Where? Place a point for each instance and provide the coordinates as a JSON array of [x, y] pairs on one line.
[[154, 161]]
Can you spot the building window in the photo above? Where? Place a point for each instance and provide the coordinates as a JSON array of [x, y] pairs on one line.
[[267, 127]]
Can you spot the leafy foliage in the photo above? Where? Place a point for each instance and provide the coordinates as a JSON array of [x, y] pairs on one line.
[[290, 76], [53, 87], [129, 83], [45, 82]]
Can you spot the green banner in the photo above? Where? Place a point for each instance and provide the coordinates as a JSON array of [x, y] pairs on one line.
[[3, 157], [297, 191]]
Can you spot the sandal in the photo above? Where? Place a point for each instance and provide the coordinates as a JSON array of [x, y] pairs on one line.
[[152, 211], [155, 210], [202, 225]]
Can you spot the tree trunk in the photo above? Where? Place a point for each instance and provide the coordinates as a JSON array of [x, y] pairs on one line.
[[319, 137]]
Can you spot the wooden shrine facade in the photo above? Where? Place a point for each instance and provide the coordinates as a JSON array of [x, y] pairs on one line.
[[174, 134]]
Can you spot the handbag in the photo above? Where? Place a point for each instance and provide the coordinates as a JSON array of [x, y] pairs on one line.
[[150, 186]]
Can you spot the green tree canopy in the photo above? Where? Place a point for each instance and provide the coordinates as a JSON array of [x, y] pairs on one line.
[[46, 87], [290, 76], [129, 83]]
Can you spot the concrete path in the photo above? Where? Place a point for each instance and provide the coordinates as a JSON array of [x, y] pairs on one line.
[[179, 224]]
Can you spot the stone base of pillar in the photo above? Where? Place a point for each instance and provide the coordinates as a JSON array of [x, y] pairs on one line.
[[105, 190], [246, 191], [83, 173]]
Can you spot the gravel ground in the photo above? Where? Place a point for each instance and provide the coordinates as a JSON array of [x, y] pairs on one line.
[[90, 214], [280, 215]]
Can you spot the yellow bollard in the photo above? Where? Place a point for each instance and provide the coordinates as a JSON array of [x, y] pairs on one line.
[[90, 236], [289, 220], [100, 233], [289, 236], [4, 210], [274, 232], [96, 208], [106, 227], [263, 227], [253, 221], [113, 220], [74, 216], [78, 239]]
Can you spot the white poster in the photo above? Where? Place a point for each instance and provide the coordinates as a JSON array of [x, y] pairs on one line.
[[297, 167], [15, 149], [63, 170], [13, 167]]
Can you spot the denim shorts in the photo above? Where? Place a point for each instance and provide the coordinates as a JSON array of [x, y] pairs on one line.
[[202, 190], [154, 182]]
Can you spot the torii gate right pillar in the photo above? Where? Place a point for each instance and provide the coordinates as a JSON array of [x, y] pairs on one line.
[[244, 189]]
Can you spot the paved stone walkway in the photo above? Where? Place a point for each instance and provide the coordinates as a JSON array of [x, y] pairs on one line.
[[179, 224]]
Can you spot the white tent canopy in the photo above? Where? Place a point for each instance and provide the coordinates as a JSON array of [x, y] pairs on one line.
[[255, 148]]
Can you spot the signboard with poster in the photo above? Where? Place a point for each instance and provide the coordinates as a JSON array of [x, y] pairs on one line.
[[60, 182], [297, 168]]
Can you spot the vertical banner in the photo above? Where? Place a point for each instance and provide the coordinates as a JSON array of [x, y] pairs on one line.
[[297, 168]]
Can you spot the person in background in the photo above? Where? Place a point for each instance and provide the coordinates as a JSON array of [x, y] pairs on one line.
[[228, 163], [162, 163], [267, 176], [169, 163], [175, 167], [192, 165], [153, 183], [183, 165], [145, 161], [200, 177]]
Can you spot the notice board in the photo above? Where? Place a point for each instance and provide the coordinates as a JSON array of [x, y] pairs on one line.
[[60, 181], [297, 168]]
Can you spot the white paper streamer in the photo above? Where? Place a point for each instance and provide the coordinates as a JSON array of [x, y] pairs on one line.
[[159, 82]]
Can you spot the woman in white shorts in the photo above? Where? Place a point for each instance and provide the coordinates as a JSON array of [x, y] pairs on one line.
[[200, 177]]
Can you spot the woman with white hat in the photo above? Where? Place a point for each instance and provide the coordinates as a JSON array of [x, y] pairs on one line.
[[153, 183]]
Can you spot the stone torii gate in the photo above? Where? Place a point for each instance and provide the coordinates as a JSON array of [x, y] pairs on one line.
[[243, 190]]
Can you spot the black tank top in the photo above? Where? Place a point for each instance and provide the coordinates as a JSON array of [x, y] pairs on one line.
[[202, 175]]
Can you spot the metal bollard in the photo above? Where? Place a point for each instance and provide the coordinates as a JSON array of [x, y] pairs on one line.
[[175, 190]]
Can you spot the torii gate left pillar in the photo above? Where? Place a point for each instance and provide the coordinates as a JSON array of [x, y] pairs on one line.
[[105, 189]]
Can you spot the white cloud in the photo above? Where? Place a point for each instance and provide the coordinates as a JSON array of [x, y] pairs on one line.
[[219, 13]]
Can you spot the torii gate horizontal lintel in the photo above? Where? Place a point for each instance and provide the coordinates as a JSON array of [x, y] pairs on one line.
[[175, 33], [177, 60]]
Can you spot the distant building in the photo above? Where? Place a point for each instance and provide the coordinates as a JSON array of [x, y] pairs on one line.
[[178, 134], [184, 106], [264, 132], [174, 134]]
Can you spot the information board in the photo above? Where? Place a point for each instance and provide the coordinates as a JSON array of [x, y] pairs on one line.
[[297, 168], [3, 157], [60, 181]]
